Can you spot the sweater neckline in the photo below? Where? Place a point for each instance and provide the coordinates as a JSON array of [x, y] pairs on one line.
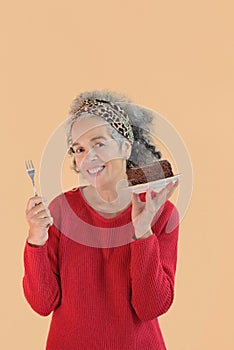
[[122, 215]]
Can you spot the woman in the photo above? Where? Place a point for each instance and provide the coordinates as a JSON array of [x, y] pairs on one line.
[[99, 257]]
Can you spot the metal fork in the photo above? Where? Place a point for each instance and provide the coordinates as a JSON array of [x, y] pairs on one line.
[[31, 172]]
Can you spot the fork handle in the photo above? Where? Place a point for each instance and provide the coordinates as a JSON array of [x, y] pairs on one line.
[[35, 190]]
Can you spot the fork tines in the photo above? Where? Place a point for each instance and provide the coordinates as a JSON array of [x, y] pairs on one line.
[[31, 172], [29, 165]]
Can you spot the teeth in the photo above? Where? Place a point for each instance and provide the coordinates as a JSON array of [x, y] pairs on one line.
[[95, 170]]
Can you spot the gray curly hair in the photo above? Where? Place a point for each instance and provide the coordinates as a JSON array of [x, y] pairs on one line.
[[143, 151]]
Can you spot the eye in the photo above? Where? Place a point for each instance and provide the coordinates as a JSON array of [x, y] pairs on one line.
[[78, 150], [99, 144]]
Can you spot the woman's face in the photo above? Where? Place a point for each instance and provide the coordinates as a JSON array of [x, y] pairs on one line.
[[98, 156]]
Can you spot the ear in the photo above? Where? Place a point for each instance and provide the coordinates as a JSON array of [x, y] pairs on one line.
[[75, 166], [126, 148]]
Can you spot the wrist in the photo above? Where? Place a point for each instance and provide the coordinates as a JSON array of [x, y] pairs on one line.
[[37, 239], [35, 245], [35, 242], [147, 234]]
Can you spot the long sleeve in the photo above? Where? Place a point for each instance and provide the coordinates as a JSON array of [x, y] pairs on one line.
[[101, 296], [153, 267], [41, 282]]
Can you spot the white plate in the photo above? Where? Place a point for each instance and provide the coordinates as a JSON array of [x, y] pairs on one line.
[[155, 185]]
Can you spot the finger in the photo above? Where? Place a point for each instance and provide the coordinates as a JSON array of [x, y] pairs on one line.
[[42, 220], [167, 191], [153, 194], [148, 195], [51, 221], [34, 201], [36, 209], [37, 213], [155, 200], [150, 202], [41, 214], [176, 183], [136, 201], [135, 197], [172, 188], [137, 205], [47, 221]]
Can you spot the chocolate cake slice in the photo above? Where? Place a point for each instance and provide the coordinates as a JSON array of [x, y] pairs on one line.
[[150, 172]]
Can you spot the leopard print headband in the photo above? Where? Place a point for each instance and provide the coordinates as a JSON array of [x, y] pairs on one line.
[[111, 112]]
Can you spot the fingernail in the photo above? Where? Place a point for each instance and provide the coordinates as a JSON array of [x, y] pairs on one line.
[[153, 194]]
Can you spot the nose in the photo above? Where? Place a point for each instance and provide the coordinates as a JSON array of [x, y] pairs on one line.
[[91, 155]]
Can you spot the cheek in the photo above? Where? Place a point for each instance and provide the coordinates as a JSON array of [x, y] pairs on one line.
[[117, 165], [79, 161], [112, 154]]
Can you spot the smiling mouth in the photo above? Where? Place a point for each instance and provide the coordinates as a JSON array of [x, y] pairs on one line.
[[95, 171]]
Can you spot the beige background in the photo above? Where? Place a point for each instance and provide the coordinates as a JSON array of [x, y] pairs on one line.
[[173, 56]]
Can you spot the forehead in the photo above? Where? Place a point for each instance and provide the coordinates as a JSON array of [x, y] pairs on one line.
[[86, 128]]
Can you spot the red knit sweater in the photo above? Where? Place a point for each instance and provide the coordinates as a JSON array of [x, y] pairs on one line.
[[102, 298]]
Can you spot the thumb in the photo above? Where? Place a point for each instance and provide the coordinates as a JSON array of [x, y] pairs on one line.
[[149, 205], [135, 198]]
